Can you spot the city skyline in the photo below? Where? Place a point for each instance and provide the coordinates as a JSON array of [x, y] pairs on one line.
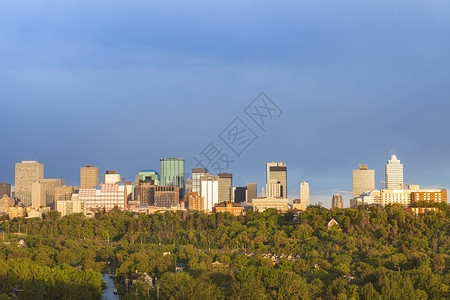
[[112, 87]]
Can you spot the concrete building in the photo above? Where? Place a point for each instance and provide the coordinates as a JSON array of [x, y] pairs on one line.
[[167, 196], [394, 174], [111, 177], [337, 201], [17, 212], [252, 192], [304, 195], [363, 180], [366, 199], [144, 193], [72, 206], [194, 201], [225, 184], [43, 192], [149, 176], [273, 188], [277, 172], [262, 203], [197, 174], [88, 177], [240, 194], [106, 196], [5, 203], [429, 195], [26, 173], [64, 192], [5, 189], [235, 209], [188, 185], [172, 173], [210, 191]]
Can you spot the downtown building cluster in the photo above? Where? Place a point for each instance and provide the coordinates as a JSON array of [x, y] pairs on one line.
[[395, 191], [151, 191]]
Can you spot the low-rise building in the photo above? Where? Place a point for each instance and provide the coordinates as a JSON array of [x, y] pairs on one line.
[[5, 204], [235, 209], [262, 203], [194, 201], [105, 196], [72, 206], [17, 212]]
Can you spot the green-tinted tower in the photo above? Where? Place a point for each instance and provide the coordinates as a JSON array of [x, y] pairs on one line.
[[172, 173]]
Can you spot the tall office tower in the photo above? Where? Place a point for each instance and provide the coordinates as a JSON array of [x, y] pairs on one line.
[[197, 174], [304, 195], [43, 192], [88, 177], [337, 201], [172, 173], [363, 180], [64, 193], [240, 194], [273, 188], [252, 192], [394, 174], [188, 185], [5, 189], [27, 172], [278, 172], [225, 184], [111, 177], [148, 176], [210, 191]]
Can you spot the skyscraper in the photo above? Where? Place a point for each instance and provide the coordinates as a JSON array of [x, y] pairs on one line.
[[111, 177], [43, 192], [27, 172], [88, 177], [277, 172], [172, 173], [304, 195], [148, 176], [5, 189], [394, 174], [197, 174], [337, 201], [252, 191], [363, 180], [225, 184], [210, 191]]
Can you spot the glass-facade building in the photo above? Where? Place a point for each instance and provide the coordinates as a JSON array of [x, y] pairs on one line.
[[172, 173], [148, 175]]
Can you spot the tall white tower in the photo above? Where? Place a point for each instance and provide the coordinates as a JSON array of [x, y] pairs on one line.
[[394, 174], [304, 195]]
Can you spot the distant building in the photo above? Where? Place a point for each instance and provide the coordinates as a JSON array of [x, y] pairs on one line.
[[5, 189], [332, 223], [111, 177], [167, 196], [72, 206], [43, 192], [148, 176], [172, 173], [262, 203], [277, 172], [363, 180], [394, 174], [421, 210], [64, 192], [235, 209], [273, 188], [26, 173], [17, 212], [240, 194], [297, 204], [144, 193], [197, 174], [304, 195], [194, 201], [252, 192], [210, 191], [5, 203], [337, 201], [188, 185], [88, 177], [106, 196], [225, 184]]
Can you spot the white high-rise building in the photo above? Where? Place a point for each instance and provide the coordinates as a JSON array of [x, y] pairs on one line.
[[394, 174], [210, 191], [27, 172], [277, 171], [304, 195]]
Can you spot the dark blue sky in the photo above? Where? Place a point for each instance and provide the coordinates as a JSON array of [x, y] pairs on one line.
[[130, 83]]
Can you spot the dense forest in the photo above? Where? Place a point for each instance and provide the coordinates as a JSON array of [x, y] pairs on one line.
[[371, 254]]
